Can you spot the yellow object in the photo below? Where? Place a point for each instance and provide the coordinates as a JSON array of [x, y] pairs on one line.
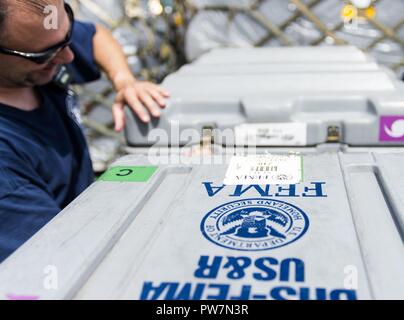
[[178, 20], [349, 12], [370, 12], [165, 51]]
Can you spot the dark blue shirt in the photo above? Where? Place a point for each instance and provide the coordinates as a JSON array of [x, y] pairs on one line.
[[44, 160]]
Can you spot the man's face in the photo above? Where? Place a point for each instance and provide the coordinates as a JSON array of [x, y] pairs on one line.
[[26, 32]]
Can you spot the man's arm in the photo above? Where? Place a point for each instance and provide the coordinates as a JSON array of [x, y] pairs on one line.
[[143, 97], [24, 209]]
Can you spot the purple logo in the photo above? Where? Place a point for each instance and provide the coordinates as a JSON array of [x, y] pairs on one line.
[[392, 128]]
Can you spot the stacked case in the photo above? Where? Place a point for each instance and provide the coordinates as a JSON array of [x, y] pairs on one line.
[[327, 126]]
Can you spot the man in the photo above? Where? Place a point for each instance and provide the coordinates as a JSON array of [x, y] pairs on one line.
[[44, 161]]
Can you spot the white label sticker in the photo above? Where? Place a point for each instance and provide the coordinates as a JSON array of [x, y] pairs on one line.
[[272, 134], [265, 169]]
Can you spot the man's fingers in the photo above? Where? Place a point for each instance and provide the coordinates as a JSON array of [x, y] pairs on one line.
[[162, 91], [142, 98], [135, 104], [158, 97], [156, 88], [119, 116], [149, 102]]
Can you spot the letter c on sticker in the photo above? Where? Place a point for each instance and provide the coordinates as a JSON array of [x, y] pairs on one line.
[[124, 172]]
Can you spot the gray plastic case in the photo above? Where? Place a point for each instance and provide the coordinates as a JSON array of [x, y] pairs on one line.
[[322, 54], [145, 240], [349, 99], [351, 118], [288, 67]]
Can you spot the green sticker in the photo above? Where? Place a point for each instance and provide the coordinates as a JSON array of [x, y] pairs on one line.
[[129, 174]]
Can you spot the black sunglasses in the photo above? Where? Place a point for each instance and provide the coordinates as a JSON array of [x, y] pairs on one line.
[[50, 53]]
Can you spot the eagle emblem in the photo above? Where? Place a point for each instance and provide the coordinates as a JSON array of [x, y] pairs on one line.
[[254, 224]]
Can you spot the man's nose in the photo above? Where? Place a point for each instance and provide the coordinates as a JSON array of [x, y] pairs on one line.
[[65, 56]]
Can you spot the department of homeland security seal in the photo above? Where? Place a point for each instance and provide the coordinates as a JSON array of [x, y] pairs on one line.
[[254, 224]]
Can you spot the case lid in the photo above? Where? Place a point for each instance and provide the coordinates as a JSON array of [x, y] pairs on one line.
[[166, 231]]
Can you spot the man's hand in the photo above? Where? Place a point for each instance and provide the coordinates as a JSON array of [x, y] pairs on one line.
[[144, 98]]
